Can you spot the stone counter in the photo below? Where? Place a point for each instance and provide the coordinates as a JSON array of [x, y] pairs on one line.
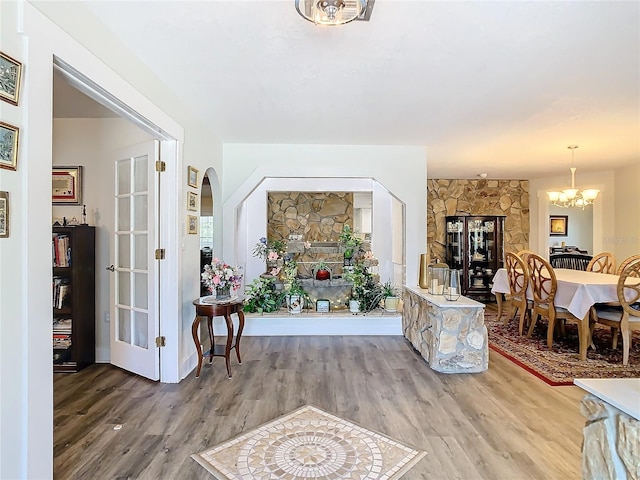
[[450, 335], [611, 446]]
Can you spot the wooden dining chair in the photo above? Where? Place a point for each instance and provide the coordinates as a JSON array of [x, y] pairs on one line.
[[518, 277], [523, 254], [625, 318], [544, 286], [626, 262], [603, 262]]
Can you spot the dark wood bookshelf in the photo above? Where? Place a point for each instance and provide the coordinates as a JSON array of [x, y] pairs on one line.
[[80, 305]]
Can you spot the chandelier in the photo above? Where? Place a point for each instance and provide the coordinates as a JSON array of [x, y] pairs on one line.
[[572, 197], [334, 12]]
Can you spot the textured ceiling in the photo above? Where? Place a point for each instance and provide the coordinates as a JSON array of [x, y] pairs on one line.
[[495, 87]]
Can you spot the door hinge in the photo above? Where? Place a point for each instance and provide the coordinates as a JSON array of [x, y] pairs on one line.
[[160, 166], [161, 341], [160, 253]]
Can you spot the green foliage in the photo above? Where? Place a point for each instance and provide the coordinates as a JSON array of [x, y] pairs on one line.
[[320, 265], [349, 241], [261, 296], [389, 289], [365, 289]]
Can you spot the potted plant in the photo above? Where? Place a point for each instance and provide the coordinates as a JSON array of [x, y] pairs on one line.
[[321, 270], [365, 290], [350, 243], [390, 294], [261, 296], [295, 297]]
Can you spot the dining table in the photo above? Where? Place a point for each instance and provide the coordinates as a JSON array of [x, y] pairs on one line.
[[577, 291]]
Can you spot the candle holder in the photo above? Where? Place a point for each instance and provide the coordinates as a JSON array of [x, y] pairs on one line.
[[436, 274], [452, 285]]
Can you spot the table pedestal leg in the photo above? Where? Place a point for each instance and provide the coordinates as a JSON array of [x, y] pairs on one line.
[[240, 328], [196, 340], [227, 350]]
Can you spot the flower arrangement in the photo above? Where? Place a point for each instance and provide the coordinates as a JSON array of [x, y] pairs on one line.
[[219, 274], [272, 252]]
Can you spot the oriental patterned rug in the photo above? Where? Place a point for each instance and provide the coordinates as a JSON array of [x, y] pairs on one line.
[[309, 443], [561, 364]]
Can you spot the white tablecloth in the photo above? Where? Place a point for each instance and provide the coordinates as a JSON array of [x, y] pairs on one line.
[[577, 290]]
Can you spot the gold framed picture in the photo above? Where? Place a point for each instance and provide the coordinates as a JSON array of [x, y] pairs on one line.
[[192, 225], [66, 185], [10, 73], [558, 225], [192, 201], [4, 214], [8, 146], [192, 174]]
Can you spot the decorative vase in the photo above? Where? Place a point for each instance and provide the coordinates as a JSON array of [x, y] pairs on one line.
[[354, 306], [391, 304], [295, 303], [323, 274], [223, 293], [423, 278], [452, 285]]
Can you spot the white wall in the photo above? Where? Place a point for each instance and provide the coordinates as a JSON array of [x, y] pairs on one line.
[[626, 240], [603, 207], [579, 227], [93, 143], [26, 393], [247, 166]]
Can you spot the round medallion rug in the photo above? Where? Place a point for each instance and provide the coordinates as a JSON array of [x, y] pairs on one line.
[[309, 443]]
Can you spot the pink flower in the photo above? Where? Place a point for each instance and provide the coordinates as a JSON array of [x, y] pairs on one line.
[[307, 244], [216, 280], [273, 256]]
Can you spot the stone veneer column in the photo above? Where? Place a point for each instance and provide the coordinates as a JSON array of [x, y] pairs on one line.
[[611, 447], [452, 338]]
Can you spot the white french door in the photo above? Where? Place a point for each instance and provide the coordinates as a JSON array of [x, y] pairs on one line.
[[134, 281]]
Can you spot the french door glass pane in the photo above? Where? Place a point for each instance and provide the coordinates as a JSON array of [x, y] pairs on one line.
[[141, 335], [124, 325], [124, 205], [124, 177]]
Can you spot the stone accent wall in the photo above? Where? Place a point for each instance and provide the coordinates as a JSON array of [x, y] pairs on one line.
[[317, 216], [478, 197], [611, 446]]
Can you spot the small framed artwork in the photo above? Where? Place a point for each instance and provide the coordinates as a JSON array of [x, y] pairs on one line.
[[66, 185], [193, 176], [4, 214], [192, 225], [8, 146], [558, 225], [10, 73], [192, 201]]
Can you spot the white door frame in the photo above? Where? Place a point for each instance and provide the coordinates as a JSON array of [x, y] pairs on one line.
[[168, 270]]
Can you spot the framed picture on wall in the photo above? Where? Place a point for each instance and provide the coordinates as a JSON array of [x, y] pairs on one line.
[[4, 214], [66, 185], [10, 73], [558, 225], [8, 146], [192, 201], [193, 176], [192, 225]]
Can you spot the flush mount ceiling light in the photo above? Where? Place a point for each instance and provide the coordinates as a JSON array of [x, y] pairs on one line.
[[334, 12], [572, 197]]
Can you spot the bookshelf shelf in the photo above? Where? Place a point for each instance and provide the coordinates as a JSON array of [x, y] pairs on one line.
[[73, 302]]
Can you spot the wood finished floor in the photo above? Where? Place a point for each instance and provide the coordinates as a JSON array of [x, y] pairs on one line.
[[500, 424]]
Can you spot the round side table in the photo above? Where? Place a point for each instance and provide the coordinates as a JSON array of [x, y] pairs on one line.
[[212, 308]]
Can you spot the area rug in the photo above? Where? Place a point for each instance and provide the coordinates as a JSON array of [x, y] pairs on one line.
[[309, 443], [561, 364]]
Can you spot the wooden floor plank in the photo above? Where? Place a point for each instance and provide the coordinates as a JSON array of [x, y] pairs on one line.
[[501, 424]]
